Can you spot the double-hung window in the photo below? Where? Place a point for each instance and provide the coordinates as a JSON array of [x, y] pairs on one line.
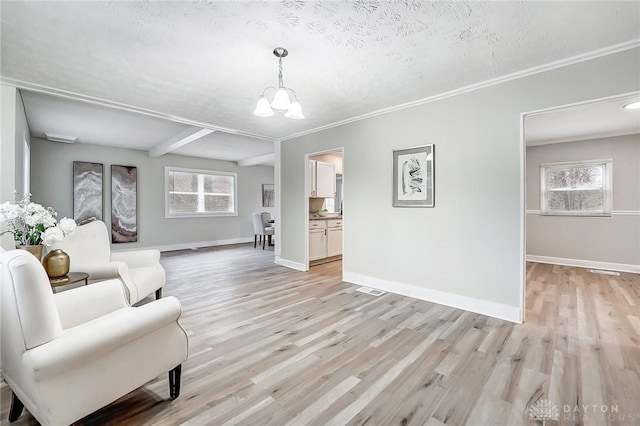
[[196, 193], [576, 189]]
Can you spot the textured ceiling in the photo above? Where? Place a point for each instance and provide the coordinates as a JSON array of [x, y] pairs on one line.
[[208, 60]]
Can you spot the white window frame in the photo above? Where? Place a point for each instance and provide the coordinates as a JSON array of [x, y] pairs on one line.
[[607, 186], [169, 215]]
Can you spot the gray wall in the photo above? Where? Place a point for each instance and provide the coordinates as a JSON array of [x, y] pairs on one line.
[[15, 132], [51, 184], [7, 151], [615, 239], [23, 144], [471, 243]]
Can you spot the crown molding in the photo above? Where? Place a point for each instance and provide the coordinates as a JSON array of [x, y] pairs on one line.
[[616, 48], [34, 87]]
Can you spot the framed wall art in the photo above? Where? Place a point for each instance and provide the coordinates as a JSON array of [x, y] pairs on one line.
[[87, 191], [413, 176], [268, 195], [124, 204]]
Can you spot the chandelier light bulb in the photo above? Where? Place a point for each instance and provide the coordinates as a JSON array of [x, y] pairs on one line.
[[263, 109], [295, 111], [281, 100]]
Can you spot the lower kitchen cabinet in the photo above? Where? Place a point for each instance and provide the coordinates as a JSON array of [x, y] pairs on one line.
[[325, 238], [334, 237], [317, 239]]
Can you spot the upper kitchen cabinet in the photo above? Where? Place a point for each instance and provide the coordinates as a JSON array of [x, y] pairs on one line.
[[322, 179]]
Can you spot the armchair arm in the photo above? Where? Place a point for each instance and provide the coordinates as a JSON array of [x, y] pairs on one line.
[[101, 271], [138, 258], [89, 341], [107, 271], [84, 304]]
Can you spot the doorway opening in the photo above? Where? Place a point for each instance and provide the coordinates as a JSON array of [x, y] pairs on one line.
[[324, 206], [581, 186]]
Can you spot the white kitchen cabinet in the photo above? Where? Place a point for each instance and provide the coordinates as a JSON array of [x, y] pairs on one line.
[[317, 239], [325, 180], [325, 238], [322, 179], [334, 237]]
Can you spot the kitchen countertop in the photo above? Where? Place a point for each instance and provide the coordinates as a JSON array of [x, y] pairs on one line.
[[324, 218]]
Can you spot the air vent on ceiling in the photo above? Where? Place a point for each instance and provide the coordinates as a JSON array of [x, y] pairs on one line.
[[371, 291], [600, 271], [60, 138]]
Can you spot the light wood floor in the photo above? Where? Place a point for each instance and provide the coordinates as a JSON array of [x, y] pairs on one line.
[[272, 346]]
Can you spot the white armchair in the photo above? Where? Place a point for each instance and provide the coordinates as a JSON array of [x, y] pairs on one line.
[[69, 354], [89, 251]]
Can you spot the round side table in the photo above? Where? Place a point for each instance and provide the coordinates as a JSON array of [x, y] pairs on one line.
[[70, 278]]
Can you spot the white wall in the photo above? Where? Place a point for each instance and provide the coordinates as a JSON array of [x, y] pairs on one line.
[[595, 239], [52, 185], [467, 251]]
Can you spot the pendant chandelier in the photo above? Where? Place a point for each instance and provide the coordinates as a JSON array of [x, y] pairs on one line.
[[281, 101]]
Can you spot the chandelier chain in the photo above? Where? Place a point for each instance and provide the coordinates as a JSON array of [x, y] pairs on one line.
[[280, 81]]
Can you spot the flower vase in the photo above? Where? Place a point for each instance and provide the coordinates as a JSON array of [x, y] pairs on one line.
[[56, 263], [35, 250]]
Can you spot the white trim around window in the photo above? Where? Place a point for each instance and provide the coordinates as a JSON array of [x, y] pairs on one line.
[[200, 194], [576, 190]]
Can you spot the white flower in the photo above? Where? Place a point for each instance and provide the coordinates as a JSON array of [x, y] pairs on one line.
[[34, 218], [8, 213], [27, 221], [52, 236], [67, 225]]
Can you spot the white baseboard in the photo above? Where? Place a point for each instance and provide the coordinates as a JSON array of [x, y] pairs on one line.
[[291, 264], [592, 264], [613, 213], [187, 246], [484, 307]]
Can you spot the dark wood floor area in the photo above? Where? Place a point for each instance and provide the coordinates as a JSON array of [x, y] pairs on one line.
[[272, 346]]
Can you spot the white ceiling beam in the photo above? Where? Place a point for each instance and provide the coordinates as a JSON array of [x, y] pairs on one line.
[[254, 161], [38, 88], [177, 141]]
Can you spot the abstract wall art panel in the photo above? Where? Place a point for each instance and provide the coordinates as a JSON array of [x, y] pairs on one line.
[[124, 208], [268, 195], [87, 191]]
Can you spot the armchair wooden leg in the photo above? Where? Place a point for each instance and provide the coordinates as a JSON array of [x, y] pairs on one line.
[[255, 241], [174, 382], [159, 293], [264, 240], [16, 408]]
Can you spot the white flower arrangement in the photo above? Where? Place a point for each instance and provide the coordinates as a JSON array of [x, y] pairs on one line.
[[33, 224]]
